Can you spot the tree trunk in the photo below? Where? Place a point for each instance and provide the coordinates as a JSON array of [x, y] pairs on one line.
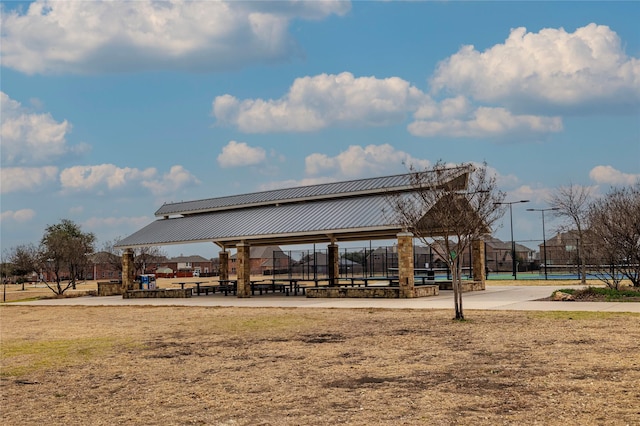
[[457, 296], [458, 278], [583, 267]]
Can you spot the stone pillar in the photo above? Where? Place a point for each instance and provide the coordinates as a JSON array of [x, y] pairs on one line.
[[243, 266], [127, 270], [477, 253], [224, 265], [333, 263], [405, 264]]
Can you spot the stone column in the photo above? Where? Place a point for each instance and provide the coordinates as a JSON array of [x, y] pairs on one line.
[[243, 266], [405, 264], [333, 263], [127, 270], [477, 252], [224, 265]]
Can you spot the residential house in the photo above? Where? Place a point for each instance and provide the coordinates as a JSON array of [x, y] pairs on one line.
[[561, 249], [264, 260], [498, 257], [183, 266], [316, 265]]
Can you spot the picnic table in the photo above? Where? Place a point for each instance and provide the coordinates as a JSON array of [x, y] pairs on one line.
[[265, 285], [199, 287], [358, 281], [291, 285], [227, 286]]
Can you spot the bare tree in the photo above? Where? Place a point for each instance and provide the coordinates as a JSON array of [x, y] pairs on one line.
[[614, 236], [572, 203], [64, 249], [113, 255], [447, 209], [142, 256]]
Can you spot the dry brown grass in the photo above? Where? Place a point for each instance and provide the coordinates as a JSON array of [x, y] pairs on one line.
[[235, 366]]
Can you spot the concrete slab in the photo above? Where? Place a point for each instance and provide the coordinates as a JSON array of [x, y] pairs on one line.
[[513, 298]]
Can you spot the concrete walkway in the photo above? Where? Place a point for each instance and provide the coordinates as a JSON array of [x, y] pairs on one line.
[[510, 298]]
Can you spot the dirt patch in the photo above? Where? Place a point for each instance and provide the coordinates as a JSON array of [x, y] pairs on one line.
[[234, 366]]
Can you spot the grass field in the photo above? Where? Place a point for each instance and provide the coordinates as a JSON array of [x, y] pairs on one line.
[[235, 366]]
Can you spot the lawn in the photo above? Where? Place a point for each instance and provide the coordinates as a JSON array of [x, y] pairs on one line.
[[235, 366]]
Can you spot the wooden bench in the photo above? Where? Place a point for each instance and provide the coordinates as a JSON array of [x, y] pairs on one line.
[[273, 286], [226, 287]]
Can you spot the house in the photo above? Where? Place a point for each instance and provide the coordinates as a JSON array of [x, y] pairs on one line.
[[264, 260], [105, 266], [183, 266], [316, 264], [381, 259], [498, 257], [561, 249]]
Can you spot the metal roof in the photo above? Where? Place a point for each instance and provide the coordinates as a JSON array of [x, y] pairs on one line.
[[378, 185], [343, 219], [340, 211]]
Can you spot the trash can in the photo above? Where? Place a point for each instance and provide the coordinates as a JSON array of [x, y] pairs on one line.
[[148, 282]]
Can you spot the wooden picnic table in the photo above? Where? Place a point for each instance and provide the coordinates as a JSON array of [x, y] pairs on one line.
[[199, 287], [265, 285], [292, 284], [227, 286]]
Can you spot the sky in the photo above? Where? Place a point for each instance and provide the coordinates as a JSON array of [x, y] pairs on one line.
[[110, 109]]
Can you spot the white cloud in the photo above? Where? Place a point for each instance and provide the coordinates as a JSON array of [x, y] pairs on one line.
[[102, 176], [109, 177], [19, 216], [358, 161], [16, 179], [99, 36], [30, 138], [611, 176], [236, 154], [177, 178], [537, 196], [317, 102], [551, 68], [481, 122]]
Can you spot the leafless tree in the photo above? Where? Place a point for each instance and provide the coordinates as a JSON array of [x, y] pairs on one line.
[[614, 236], [447, 209], [142, 256], [572, 204]]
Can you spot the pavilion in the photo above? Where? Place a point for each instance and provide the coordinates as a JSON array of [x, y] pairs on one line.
[[355, 210]]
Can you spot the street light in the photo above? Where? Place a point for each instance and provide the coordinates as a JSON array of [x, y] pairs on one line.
[[513, 243], [544, 237]]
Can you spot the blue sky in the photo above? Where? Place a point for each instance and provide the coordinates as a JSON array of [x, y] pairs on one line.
[[111, 109]]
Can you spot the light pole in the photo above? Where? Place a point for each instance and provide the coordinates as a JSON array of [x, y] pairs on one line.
[[513, 243], [544, 237]]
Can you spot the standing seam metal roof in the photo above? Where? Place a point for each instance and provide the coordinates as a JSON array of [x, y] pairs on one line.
[[335, 211], [228, 227], [370, 186]]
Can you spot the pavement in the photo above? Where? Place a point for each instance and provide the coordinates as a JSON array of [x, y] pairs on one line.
[[500, 298]]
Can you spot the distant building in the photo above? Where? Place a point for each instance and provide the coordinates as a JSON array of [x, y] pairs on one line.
[[263, 261], [562, 249], [105, 266], [498, 255], [186, 266]]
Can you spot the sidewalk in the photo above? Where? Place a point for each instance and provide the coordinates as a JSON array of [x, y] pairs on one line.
[[507, 298]]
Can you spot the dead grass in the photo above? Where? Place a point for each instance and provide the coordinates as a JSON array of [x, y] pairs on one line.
[[234, 366]]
